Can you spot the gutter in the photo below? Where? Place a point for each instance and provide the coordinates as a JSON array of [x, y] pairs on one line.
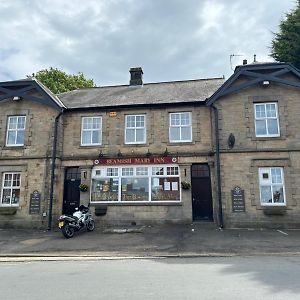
[[54, 150], [218, 166]]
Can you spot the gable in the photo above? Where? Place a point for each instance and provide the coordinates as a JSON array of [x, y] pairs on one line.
[[29, 89], [247, 76]]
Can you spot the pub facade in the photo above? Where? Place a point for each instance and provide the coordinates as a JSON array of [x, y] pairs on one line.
[[184, 151]]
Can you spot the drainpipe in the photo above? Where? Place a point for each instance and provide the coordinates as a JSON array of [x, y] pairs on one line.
[[219, 186], [54, 150]]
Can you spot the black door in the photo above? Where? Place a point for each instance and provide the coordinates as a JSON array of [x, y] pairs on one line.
[[71, 191], [201, 193]]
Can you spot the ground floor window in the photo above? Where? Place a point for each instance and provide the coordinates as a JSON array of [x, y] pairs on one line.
[[271, 183], [135, 184], [10, 192]]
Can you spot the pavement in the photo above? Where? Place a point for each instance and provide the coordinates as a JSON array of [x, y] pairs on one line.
[[169, 240]]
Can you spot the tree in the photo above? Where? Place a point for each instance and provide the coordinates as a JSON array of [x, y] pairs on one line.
[[286, 43], [58, 81]]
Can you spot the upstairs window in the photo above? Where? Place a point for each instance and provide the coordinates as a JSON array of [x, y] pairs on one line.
[[91, 131], [135, 129], [10, 193], [15, 131], [271, 184], [180, 129], [266, 120]]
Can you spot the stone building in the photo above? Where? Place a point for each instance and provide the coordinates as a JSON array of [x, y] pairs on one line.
[[181, 151]]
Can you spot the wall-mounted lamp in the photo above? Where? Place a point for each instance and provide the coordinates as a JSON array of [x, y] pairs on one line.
[[231, 141], [265, 83], [16, 98], [119, 153], [166, 153], [101, 154], [148, 154], [84, 174]]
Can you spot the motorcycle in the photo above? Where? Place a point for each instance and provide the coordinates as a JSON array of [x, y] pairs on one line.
[[81, 218]]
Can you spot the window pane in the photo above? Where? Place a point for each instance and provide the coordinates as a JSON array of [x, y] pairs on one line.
[[141, 171], [127, 171], [276, 175], [13, 123], [278, 194], [16, 180], [21, 123], [175, 134], [6, 196], [130, 135], [185, 119], [130, 121], [272, 126], [271, 110], [261, 127], [15, 199], [96, 123], [265, 194], [96, 137], [140, 136], [140, 121], [165, 189], [11, 140], [157, 171], [86, 137], [134, 189], [112, 171], [20, 137], [186, 134], [105, 189], [260, 111], [8, 180], [87, 123], [175, 119], [172, 171]]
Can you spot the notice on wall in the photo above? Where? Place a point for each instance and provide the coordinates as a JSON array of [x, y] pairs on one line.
[[238, 200], [35, 203]]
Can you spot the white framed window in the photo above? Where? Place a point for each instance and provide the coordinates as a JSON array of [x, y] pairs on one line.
[[180, 127], [140, 183], [271, 185], [10, 192], [135, 129], [15, 131], [266, 120], [91, 131]]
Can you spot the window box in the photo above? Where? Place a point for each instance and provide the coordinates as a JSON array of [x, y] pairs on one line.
[[274, 210], [8, 210]]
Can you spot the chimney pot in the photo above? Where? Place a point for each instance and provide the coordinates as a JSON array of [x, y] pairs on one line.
[[136, 76], [245, 62]]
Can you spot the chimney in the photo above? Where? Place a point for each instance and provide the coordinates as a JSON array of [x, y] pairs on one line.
[[245, 61], [136, 76]]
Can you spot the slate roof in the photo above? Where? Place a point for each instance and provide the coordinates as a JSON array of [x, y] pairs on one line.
[[148, 94]]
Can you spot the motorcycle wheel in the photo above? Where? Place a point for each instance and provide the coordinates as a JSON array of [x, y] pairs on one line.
[[91, 225], [67, 231]]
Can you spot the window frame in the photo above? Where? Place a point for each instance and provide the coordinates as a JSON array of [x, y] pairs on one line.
[[270, 184], [91, 130], [11, 188], [265, 119], [16, 130], [135, 130], [180, 127], [123, 173]]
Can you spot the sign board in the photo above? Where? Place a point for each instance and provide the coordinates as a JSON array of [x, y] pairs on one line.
[[238, 199], [155, 160], [35, 203]]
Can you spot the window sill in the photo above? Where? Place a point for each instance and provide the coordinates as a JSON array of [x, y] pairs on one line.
[[274, 210], [8, 210], [101, 204], [268, 138], [14, 147]]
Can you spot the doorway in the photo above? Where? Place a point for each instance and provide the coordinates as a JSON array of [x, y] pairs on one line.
[[71, 190], [201, 193]]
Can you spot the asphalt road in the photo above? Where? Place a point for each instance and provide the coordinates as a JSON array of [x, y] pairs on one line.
[[168, 278]]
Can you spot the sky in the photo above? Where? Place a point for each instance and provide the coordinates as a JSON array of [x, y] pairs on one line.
[[169, 39]]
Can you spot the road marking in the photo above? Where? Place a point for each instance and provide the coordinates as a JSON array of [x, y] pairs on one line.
[[282, 232]]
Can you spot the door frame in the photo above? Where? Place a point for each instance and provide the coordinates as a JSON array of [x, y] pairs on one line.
[[206, 175]]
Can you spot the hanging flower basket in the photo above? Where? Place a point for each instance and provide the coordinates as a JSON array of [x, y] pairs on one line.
[[83, 187], [185, 185]]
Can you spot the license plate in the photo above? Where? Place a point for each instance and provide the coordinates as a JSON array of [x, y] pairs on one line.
[[61, 224]]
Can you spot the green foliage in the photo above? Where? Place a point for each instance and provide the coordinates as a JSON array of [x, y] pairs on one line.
[[286, 43], [58, 81]]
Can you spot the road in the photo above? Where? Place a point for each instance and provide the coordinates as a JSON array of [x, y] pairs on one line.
[[165, 278]]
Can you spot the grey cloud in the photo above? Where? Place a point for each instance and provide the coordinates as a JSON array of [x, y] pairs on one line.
[[103, 39]]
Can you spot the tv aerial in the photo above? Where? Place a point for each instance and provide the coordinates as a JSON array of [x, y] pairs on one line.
[[231, 56]]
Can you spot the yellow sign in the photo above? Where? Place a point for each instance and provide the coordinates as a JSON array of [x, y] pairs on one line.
[[112, 114]]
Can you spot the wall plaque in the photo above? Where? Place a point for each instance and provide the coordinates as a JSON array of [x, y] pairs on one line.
[[238, 199], [35, 203]]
